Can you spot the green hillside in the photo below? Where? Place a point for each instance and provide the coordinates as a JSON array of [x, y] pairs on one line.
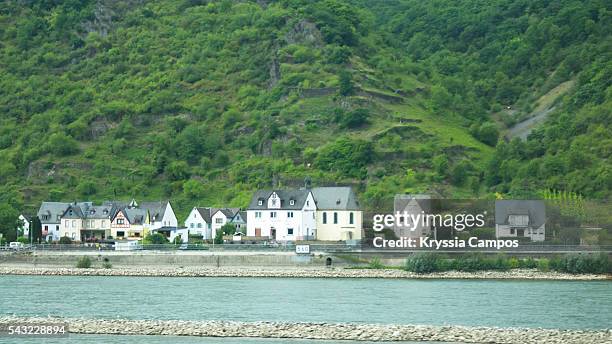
[[203, 102]]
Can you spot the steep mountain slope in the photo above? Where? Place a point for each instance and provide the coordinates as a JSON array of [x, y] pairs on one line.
[[204, 102]]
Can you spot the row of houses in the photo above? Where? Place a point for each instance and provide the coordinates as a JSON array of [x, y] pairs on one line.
[[322, 213]]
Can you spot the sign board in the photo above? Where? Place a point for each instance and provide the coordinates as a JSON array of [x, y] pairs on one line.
[[304, 249]]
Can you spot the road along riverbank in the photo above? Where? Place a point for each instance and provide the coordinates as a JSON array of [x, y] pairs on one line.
[[325, 331], [294, 272]]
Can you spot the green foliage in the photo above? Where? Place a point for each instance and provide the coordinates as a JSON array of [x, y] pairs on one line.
[[107, 265], [376, 263], [9, 221], [23, 240], [83, 263], [61, 144], [423, 262], [235, 94], [155, 239], [65, 240], [581, 263], [346, 156]]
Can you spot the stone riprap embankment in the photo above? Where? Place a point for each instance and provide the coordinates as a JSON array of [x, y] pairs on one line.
[[326, 331], [306, 272]]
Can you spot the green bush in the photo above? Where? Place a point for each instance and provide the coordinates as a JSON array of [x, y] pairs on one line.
[[528, 263], [423, 262], [107, 265], [375, 263], [65, 240], [23, 240], [155, 239], [543, 264], [581, 263], [83, 263]]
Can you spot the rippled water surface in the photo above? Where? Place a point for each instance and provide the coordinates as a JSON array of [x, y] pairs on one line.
[[548, 304]]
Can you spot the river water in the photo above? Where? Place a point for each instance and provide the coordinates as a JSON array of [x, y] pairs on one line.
[[501, 303]]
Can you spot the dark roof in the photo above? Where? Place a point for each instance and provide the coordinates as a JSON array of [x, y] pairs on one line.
[[228, 212], [299, 196], [204, 213], [400, 202], [335, 198], [536, 209], [86, 210], [135, 215], [156, 209], [53, 210]]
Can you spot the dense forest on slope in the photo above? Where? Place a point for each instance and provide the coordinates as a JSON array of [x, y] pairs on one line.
[[203, 102]]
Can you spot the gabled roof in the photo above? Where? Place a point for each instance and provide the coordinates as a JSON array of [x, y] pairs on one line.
[[86, 210], [400, 202], [535, 209], [156, 209], [335, 198], [205, 214], [228, 212], [285, 196], [135, 216], [53, 210]]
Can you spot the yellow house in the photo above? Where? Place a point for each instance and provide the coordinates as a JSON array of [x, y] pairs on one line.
[[338, 215]]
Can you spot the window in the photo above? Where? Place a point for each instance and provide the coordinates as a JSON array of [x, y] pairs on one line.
[[324, 217], [273, 201], [120, 233], [199, 225], [273, 214], [260, 202], [67, 223], [56, 228], [73, 235], [74, 223], [192, 225], [120, 221], [512, 231], [289, 231], [335, 218], [258, 214], [219, 220], [307, 202], [351, 220], [291, 202], [290, 214]]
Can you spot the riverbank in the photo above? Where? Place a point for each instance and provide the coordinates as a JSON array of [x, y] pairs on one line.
[[325, 331], [295, 272]]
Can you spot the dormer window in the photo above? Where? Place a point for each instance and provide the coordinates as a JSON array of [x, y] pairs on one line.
[[338, 201], [291, 202], [105, 211], [273, 201], [92, 212], [260, 202]]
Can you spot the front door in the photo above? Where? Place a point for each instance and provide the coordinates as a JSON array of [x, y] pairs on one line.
[[273, 233], [258, 232]]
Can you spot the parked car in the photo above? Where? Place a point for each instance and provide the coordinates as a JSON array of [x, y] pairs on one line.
[[15, 245]]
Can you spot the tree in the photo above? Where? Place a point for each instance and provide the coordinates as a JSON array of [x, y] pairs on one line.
[[226, 229], [346, 83], [35, 230], [178, 170], [9, 222], [62, 144], [355, 118]]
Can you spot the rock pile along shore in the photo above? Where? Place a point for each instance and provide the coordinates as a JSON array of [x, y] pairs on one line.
[[294, 273], [326, 331]]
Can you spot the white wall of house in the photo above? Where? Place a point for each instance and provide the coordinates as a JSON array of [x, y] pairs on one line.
[[183, 233], [71, 228], [168, 220], [25, 225], [218, 219], [197, 225], [283, 224], [339, 227], [508, 231], [52, 229]]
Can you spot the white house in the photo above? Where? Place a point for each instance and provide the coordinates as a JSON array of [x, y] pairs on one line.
[[409, 206], [520, 218], [338, 214], [282, 215], [24, 227], [160, 214], [198, 222], [50, 214], [206, 221]]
